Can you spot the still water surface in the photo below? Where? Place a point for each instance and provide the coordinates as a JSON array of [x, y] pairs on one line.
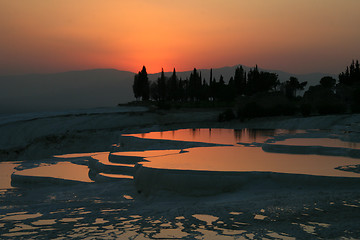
[[239, 158], [249, 159], [221, 158], [62, 170], [216, 135]]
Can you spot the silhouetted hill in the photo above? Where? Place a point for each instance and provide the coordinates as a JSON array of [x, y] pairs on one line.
[[63, 91], [92, 88]]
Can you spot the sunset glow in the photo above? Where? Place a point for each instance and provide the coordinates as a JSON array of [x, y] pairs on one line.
[[295, 36]]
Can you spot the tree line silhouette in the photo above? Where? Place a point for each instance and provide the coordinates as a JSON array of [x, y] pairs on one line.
[[195, 88], [254, 93]]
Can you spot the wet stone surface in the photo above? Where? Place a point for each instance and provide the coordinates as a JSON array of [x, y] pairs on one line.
[[111, 210], [115, 210]]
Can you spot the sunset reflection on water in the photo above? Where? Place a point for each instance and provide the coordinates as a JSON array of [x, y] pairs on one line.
[[215, 135], [238, 158], [248, 159]]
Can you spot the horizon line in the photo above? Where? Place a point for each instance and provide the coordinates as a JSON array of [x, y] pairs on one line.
[[152, 73]]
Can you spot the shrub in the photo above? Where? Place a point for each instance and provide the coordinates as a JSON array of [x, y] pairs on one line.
[[355, 108], [164, 105], [305, 109], [251, 110], [227, 115], [355, 104], [325, 108], [286, 109]]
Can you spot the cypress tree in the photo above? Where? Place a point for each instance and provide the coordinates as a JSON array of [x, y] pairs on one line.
[[240, 80], [195, 85], [162, 86], [173, 94], [137, 87], [141, 85], [144, 81]]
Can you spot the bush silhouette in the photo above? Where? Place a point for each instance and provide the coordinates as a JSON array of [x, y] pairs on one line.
[[227, 115], [305, 109], [285, 109], [325, 108], [355, 105], [251, 110]]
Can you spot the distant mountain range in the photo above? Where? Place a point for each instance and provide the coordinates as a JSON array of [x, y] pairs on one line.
[[93, 88]]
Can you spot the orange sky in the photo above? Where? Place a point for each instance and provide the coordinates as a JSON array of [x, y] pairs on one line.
[[304, 36]]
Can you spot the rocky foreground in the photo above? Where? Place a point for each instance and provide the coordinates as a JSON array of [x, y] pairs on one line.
[[116, 210]]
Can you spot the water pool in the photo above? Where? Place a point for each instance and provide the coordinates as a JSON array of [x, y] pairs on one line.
[[216, 135], [232, 158], [248, 159], [240, 158]]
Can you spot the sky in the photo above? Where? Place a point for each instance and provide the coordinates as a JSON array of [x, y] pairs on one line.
[[304, 36]]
